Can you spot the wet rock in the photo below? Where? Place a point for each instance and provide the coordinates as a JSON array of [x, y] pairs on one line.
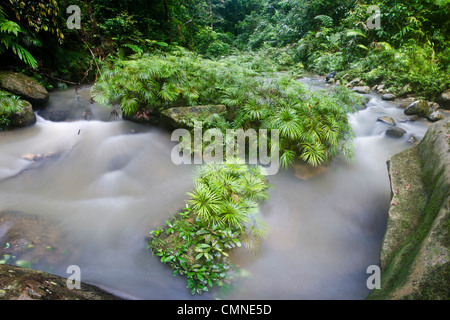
[[18, 283], [404, 105], [179, 117], [388, 96], [29, 241], [53, 115], [33, 157], [305, 171], [435, 115], [362, 89], [412, 140], [355, 81], [444, 100], [25, 87], [395, 132], [419, 108], [417, 226], [387, 120], [25, 117], [330, 76]]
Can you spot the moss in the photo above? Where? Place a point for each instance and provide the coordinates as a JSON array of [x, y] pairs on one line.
[[435, 284]]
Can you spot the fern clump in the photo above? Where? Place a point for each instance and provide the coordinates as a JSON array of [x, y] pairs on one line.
[[221, 214]]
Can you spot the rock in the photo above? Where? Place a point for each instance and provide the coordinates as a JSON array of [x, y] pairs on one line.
[[381, 87], [180, 117], [419, 108], [415, 255], [412, 140], [444, 100], [25, 87], [404, 105], [411, 118], [23, 118], [395, 132], [435, 115], [304, 171], [330, 76], [355, 81], [363, 89], [17, 283], [387, 120], [53, 115], [388, 96], [30, 241]]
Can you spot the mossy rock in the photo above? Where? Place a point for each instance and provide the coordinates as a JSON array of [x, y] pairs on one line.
[[17, 283], [25, 117], [25, 87], [415, 251], [180, 117]]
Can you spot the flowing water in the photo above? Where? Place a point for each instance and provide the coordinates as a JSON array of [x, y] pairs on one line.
[[104, 184]]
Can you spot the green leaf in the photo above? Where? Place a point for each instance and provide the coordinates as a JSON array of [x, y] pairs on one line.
[[199, 256]]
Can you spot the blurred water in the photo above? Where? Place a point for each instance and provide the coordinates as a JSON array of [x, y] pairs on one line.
[[106, 183]]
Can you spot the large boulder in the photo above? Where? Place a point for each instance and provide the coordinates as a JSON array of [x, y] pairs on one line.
[[23, 118], [444, 100], [25, 87], [420, 108], [415, 253], [180, 117]]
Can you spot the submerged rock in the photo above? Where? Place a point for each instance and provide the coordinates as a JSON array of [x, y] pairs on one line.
[[25, 87], [304, 171]]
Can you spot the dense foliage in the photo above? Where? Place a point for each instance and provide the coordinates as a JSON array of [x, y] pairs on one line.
[[220, 215], [312, 126]]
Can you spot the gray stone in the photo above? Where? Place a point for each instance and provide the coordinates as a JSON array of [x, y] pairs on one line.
[[388, 96], [395, 132], [363, 89]]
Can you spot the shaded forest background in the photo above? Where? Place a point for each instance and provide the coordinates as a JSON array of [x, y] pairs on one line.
[[409, 50]]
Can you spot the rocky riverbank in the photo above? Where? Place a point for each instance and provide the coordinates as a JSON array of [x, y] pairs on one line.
[[415, 251]]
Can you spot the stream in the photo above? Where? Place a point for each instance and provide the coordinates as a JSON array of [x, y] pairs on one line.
[[105, 183]]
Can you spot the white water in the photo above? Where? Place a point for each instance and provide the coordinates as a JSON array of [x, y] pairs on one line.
[[111, 182]]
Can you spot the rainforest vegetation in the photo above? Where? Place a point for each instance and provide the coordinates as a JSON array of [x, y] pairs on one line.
[[245, 54]]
